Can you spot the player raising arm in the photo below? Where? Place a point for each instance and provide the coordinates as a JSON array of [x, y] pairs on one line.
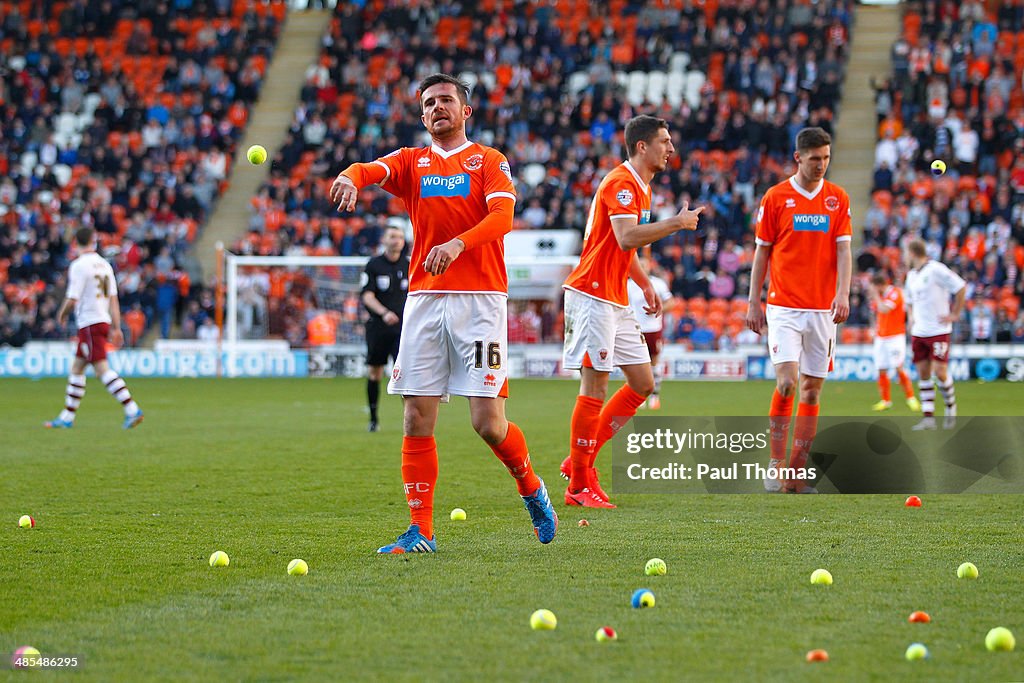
[[92, 294], [460, 199], [803, 237], [600, 328], [929, 286]]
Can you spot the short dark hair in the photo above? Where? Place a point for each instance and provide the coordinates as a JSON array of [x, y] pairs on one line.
[[642, 128], [917, 248], [85, 236], [812, 138], [460, 85], [879, 279]]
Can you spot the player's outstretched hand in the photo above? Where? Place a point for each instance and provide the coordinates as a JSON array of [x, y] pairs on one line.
[[755, 318], [689, 217], [117, 337], [840, 309], [441, 257], [344, 193], [653, 301]]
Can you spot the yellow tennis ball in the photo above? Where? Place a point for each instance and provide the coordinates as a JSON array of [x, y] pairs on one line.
[[821, 577], [543, 620], [938, 167], [298, 568], [967, 571], [220, 559], [256, 155], [606, 634], [915, 652], [458, 515], [26, 522], [655, 567], [1000, 639]]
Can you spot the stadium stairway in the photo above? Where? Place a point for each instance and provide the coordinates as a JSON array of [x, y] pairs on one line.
[[875, 29], [269, 120]]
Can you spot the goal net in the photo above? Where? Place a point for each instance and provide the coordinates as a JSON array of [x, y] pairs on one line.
[[314, 302]]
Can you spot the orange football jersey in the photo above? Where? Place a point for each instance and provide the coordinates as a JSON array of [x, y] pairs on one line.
[[891, 322], [803, 228], [603, 270], [446, 194]]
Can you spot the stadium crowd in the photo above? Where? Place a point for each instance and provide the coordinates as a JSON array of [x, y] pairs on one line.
[[123, 116], [955, 95], [553, 82]]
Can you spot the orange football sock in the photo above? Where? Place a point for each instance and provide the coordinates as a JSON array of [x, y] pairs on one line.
[[619, 409], [419, 474], [582, 439], [779, 416], [803, 434], [883, 385], [908, 386], [514, 454]]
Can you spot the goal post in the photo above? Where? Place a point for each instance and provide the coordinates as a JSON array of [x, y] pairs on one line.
[[333, 284]]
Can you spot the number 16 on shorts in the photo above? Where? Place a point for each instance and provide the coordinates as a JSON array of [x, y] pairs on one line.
[[493, 355]]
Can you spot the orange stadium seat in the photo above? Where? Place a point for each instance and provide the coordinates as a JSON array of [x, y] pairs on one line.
[[718, 306], [849, 335], [697, 306]]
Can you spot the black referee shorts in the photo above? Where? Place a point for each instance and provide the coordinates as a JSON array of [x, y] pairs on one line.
[[381, 342]]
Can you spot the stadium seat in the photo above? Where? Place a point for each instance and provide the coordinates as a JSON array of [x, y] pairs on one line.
[[849, 335], [694, 82], [656, 81], [534, 174], [637, 89], [678, 62], [578, 81]]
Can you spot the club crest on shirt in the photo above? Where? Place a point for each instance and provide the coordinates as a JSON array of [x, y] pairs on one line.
[[474, 162], [506, 169], [423, 162], [625, 197], [832, 203]]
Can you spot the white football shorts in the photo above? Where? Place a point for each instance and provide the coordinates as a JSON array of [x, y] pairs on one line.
[[608, 334], [453, 343], [890, 352], [801, 336]]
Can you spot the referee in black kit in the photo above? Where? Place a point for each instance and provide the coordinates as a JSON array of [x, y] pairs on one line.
[[385, 285]]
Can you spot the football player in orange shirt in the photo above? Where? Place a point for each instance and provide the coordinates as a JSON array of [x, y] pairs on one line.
[[803, 234], [890, 341], [600, 328], [460, 199]]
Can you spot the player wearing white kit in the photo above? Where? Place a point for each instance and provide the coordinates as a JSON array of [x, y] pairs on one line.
[[652, 326], [92, 293], [929, 286]]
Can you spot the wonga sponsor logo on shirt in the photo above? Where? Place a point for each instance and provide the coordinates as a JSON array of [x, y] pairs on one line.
[[814, 222], [444, 185]]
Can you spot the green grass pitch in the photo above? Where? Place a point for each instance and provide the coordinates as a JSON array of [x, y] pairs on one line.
[[269, 470]]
